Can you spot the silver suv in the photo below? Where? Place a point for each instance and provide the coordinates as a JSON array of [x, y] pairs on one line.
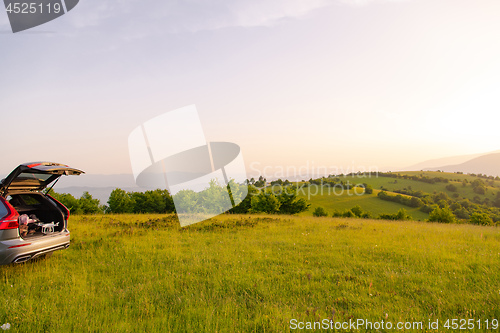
[[32, 224]]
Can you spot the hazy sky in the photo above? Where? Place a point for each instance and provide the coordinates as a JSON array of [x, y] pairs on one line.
[[334, 83]]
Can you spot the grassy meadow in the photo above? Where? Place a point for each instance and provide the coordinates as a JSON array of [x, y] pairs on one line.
[[392, 184], [252, 273], [337, 199], [347, 199]]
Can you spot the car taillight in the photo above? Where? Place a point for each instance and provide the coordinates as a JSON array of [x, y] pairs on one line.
[[9, 221], [67, 212]]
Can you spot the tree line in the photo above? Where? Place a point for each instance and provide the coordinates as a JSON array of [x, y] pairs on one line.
[[358, 212], [443, 208], [120, 201], [284, 200]]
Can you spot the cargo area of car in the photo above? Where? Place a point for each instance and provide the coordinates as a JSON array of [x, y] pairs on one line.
[[38, 215]]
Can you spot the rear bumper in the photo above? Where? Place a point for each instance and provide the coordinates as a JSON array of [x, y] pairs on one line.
[[20, 250]]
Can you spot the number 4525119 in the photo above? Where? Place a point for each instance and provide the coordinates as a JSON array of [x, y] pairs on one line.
[[33, 8], [462, 324]]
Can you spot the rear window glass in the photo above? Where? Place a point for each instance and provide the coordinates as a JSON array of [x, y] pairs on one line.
[[29, 200], [37, 176]]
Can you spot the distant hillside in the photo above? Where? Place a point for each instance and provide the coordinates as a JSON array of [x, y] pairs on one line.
[[92, 180], [101, 193], [486, 164], [437, 164], [99, 186]]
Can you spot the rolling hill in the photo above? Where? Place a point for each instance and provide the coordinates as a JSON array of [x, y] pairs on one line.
[[486, 164]]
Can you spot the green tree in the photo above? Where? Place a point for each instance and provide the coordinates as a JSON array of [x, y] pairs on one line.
[[67, 200], [154, 202], [451, 188], [337, 213], [477, 182], [120, 201], [290, 203], [89, 205], [441, 196], [480, 189], [444, 215], [214, 199], [356, 210], [319, 212], [348, 213], [368, 189], [277, 182], [480, 218], [265, 202], [246, 203], [400, 215], [186, 201], [496, 201], [415, 202], [168, 200], [261, 182], [426, 208], [139, 200]]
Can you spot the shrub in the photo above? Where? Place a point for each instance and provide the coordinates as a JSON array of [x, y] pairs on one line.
[[319, 212], [290, 203], [401, 215], [265, 203], [415, 202], [404, 200], [366, 215], [444, 215], [356, 210], [337, 213], [348, 213], [479, 189], [426, 209], [441, 196], [451, 188], [368, 189], [461, 213], [480, 218]]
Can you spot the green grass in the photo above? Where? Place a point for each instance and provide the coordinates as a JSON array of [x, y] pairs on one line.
[[392, 184], [318, 197], [136, 273]]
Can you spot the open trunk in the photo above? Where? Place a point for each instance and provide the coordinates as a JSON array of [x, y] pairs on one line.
[[38, 214]]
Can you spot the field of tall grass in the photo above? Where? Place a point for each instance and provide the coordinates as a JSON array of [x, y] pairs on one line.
[[252, 273]]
